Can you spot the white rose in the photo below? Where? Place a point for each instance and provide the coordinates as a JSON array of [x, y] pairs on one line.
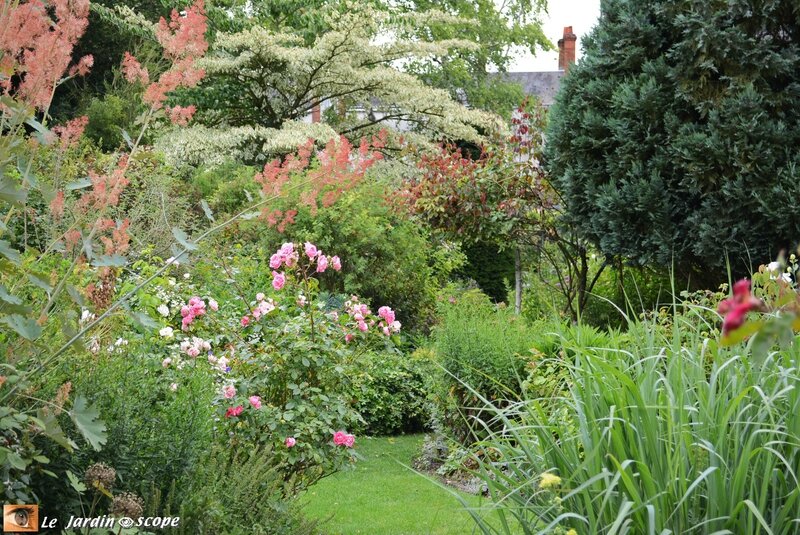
[[774, 267], [163, 310], [166, 332]]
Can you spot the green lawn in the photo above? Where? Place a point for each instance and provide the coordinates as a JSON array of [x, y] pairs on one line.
[[383, 496]]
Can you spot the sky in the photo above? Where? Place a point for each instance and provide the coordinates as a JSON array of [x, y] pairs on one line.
[[580, 14]]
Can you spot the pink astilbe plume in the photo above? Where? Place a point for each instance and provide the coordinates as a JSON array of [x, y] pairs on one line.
[[183, 40], [38, 49], [133, 71], [180, 115], [340, 169], [70, 133]]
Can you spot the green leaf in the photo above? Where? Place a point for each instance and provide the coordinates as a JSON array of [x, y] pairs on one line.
[[76, 483], [207, 210], [9, 252], [16, 461], [87, 420], [127, 137], [54, 432], [10, 193], [25, 327], [109, 261], [80, 184], [183, 239], [41, 281], [144, 320], [76, 295]]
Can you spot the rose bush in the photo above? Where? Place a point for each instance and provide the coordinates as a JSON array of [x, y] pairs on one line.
[[282, 365]]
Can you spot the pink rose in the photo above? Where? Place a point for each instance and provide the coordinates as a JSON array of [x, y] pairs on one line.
[[286, 249], [336, 263], [259, 296], [185, 311], [194, 301], [290, 442], [278, 280], [348, 338], [255, 402], [245, 321], [340, 438], [322, 263], [229, 391], [213, 305], [386, 331], [311, 250], [362, 327], [256, 313], [386, 313], [275, 261], [192, 351], [349, 441]]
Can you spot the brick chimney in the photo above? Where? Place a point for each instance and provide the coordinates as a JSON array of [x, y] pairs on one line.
[[566, 49]]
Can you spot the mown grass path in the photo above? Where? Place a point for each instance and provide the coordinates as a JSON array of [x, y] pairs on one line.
[[382, 496]]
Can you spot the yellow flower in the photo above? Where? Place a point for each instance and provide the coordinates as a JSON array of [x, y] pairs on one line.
[[572, 532], [549, 480]]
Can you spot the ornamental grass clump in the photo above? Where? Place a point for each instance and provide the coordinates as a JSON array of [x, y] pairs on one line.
[[661, 433]]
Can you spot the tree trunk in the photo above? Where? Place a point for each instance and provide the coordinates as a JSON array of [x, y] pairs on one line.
[[517, 281]]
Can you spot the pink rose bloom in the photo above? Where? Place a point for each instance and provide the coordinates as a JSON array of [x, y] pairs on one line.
[[286, 249], [213, 305], [322, 263], [340, 438], [229, 391], [185, 322], [358, 317], [336, 263], [245, 321], [256, 313], [259, 296], [290, 442], [348, 338], [255, 402], [192, 351], [266, 306], [166, 362], [395, 326], [185, 311], [349, 441], [311, 250], [278, 280], [194, 301], [362, 326], [291, 260], [386, 331], [386, 313], [173, 387], [275, 261]]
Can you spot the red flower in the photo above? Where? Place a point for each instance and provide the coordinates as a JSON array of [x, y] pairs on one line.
[[735, 308], [234, 411]]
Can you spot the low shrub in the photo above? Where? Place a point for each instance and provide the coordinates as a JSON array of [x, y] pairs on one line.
[[391, 394], [481, 345]]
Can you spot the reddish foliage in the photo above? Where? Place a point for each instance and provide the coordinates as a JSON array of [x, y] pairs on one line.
[[501, 193]]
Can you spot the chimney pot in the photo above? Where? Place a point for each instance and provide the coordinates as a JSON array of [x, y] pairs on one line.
[[566, 49]]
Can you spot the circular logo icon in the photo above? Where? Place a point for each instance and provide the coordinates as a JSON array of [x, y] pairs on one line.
[[125, 522]]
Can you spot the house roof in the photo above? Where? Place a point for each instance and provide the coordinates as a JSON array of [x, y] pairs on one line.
[[541, 84]]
